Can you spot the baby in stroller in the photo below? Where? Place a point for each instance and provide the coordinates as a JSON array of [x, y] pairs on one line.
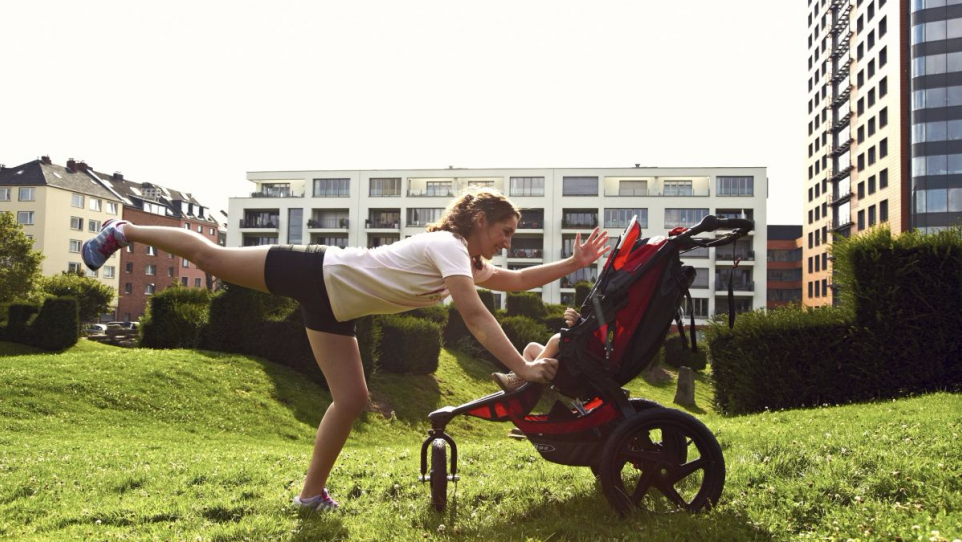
[[510, 381]]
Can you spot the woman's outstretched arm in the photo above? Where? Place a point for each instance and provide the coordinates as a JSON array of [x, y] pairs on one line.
[[584, 254]]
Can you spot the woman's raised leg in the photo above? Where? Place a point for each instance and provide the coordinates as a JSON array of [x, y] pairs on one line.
[[243, 266], [340, 360]]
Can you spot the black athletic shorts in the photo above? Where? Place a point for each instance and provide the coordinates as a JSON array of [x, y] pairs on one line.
[[295, 271]]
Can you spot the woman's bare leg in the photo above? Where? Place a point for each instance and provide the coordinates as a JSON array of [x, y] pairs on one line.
[[243, 266], [340, 360]]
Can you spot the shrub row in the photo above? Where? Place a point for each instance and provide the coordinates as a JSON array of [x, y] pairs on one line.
[[53, 326], [896, 331], [678, 353], [175, 317]]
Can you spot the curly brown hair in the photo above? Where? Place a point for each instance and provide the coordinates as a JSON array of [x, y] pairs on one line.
[[459, 218]]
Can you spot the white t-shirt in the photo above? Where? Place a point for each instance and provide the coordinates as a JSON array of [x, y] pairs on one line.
[[397, 277]]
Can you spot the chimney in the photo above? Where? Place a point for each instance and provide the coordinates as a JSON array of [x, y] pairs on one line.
[[71, 165], [45, 160], [82, 166], [118, 176]]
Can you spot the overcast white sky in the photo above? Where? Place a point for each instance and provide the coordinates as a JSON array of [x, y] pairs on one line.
[[193, 94]]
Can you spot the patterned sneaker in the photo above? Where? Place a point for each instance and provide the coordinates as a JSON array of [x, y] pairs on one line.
[[509, 382], [320, 502], [110, 239]]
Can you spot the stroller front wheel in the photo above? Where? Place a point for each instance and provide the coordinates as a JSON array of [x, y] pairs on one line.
[[662, 460], [439, 474]]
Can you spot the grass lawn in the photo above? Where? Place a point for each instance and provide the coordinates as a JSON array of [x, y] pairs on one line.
[[101, 443]]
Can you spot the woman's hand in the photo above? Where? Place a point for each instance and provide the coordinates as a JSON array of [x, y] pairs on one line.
[[541, 370], [595, 247], [571, 317]]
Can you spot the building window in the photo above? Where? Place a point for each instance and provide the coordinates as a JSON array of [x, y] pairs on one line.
[[25, 217], [27, 193], [883, 210], [332, 188], [871, 216], [93, 226], [128, 288], [810, 294], [295, 226], [184, 263], [579, 186], [883, 148], [736, 186], [422, 216], [200, 229], [883, 87], [684, 217], [149, 289], [526, 186], [183, 280], [96, 204], [75, 245], [861, 220], [883, 27], [76, 223], [170, 271], [620, 218], [197, 282], [73, 267], [883, 57], [212, 232], [111, 208], [4, 194], [151, 269], [811, 264], [871, 156], [109, 272], [187, 226], [386, 187], [677, 188], [129, 267], [871, 186], [151, 251], [871, 126], [883, 117]]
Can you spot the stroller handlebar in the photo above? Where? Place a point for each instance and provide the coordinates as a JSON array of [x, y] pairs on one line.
[[741, 227]]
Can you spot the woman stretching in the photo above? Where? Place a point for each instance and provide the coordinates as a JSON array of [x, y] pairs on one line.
[[335, 286]]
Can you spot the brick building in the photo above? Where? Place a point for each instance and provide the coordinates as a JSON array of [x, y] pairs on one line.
[[784, 265]]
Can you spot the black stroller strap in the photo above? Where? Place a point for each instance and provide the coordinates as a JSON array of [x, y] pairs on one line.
[[679, 322], [691, 329]]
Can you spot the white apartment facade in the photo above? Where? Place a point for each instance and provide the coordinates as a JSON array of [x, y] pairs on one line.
[[375, 207]]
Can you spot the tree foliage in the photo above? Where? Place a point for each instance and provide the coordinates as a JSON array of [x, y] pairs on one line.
[[19, 263], [93, 296]]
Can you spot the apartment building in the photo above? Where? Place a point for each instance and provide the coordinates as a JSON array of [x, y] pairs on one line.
[[60, 207], [372, 208], [784, 265]]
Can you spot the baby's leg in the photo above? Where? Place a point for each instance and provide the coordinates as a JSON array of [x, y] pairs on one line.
[[551, 349], [531, 351]]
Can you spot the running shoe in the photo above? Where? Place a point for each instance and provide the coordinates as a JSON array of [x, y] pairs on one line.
[[318, 503], [110, 239]]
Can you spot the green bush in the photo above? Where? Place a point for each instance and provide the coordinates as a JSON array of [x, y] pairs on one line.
[[487, 297], [526, 304], [235, 315], [57, 325], [455, 329], [369, 342], [175, 317], [522, 330], [771, 361], [286, 343], [678, 355], [582, 289], [409, 345], [18, 321], [438, 314]]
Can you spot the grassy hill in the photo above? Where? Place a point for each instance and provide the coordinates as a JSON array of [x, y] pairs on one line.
[[100, 443]]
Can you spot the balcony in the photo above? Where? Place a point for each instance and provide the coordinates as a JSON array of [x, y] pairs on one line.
[[841, 174], [721, 285], [579, 220], [531, 219], [726, 255], [440, 193], [382, 225], [271, 223], [277, 194], [527, 253], [656, 193], [321, 223], [843, 96]]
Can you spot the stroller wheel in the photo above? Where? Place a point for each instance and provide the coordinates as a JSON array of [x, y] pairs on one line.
[[646, 404], [662, 460], [439, 474]]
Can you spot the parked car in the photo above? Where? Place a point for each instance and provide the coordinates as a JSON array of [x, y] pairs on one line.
[[95, 329], [125, 325]]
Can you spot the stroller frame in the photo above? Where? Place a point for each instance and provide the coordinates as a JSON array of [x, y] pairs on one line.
[[633, 445]]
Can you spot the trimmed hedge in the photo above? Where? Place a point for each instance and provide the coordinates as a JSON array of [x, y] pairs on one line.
[[526, 304], [175, 317], [678, 355], [57, 325], [409, 345], [582, 289], [438, 314], [522, 330], [896, 332], [487, 297], [369, 342], [18, 321]]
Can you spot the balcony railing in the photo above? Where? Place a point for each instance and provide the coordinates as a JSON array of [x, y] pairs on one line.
[[272, 223], [378, 224], [525, 253], [328, 223], [577, 224], [721, 285], [276, 194], [748, 255], [530, 224], [431, 193], [656, 193]]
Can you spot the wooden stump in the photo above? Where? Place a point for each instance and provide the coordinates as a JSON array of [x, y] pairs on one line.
[[685, 394]]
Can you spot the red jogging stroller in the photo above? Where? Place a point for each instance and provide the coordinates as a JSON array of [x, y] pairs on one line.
[[646, 455]]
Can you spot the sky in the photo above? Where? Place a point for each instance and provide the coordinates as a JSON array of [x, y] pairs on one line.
[[194, 94]]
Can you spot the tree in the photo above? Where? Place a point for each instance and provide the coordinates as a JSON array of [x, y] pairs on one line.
[[19, 263], [93, 296]]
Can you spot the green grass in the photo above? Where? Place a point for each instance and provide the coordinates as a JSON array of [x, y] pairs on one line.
[[100, 443]]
